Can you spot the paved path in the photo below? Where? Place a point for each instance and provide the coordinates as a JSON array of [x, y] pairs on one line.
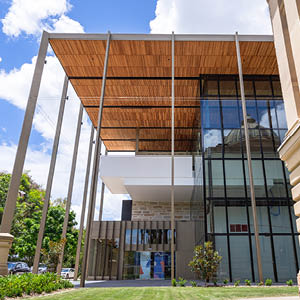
[[124, 283]]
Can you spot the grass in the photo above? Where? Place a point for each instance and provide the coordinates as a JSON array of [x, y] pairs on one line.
[[171, 293]]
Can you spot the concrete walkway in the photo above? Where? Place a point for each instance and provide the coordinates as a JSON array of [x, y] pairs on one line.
[[124, 283]]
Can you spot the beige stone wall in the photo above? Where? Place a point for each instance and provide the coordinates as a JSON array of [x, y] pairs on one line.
[[285, 16], [159, 211]]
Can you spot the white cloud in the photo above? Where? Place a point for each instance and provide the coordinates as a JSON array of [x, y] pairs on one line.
[[65, 24], [33, 16], [0, 59], [213, 17]]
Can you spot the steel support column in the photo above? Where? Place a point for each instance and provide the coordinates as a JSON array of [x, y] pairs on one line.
[[102, 198], [50, 176], [172, 165], [137, 140], [83, 205], [94, 181], [70, 188], [12, 195], [248, 150]]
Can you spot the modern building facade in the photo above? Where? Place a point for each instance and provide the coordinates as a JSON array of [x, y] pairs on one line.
[[212, 199], [173, 105]]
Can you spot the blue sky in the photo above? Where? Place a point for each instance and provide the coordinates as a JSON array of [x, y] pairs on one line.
[[21, 24]]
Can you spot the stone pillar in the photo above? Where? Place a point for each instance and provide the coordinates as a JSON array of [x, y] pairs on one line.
[[6, 240], [285, 17]]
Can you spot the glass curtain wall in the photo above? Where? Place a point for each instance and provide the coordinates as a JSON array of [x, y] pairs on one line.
[[229, 222]]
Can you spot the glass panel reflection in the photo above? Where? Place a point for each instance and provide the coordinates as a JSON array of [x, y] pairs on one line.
[[275, 180], [234, 178], [211, 117], [240, 257], [230, 111], [281, 116], [227, 88], [266, 257], [212, 142], [232, 143], [221, 247], [285, 261], [263, 88]]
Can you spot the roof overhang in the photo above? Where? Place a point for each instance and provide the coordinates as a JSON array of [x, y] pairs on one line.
[[138, 88]]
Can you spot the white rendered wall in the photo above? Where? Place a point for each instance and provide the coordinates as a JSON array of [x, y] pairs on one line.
[[147, 176]]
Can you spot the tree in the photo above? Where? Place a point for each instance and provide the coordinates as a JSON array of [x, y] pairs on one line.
[[51, 256], [205, 261], [53, 230], [27, 218]]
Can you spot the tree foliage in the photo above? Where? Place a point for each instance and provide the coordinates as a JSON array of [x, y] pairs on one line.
[[205, 261], [27, 218], [51, 255]]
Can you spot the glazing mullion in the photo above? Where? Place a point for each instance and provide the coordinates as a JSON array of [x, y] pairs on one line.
[[267, 196], [203, 164], [224, 183]]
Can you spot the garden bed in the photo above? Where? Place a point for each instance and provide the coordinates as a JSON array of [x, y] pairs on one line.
[[13, 286]]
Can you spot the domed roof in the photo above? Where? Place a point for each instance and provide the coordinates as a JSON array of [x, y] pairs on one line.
[[235, 134]]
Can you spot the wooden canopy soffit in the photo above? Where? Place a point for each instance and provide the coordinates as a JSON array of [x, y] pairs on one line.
[[137, 100]]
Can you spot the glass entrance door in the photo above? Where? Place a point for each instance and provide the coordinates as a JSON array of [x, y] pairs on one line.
[[145, 265], [159, 265]]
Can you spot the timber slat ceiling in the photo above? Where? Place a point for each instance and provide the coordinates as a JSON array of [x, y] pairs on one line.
[[138, 103]]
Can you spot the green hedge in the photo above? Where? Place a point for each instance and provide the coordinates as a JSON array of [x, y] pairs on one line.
[[28, 284]]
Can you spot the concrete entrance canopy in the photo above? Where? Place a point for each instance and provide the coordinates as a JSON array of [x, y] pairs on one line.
[[126, 175], [137, 103]]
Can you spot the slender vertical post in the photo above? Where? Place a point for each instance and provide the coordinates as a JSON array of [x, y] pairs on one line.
[[50, 176], [102, 198], [12, 195], [137, 140], [253, 201], [94, 182], [70, 188], [172, 165], [83, 206]]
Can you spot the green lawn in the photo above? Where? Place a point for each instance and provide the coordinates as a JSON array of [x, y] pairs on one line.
[[171, 293]]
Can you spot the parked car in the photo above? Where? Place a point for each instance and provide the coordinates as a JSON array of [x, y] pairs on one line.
[[42, 269], [17, 268], [67, 273]]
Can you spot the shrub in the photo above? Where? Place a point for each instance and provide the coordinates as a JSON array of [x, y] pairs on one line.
[[182, 282], [194, 283], [237, 283], [205, 261], [18, 285], [261, 283], [174, 282], [248, 282], [290, 282], [225, 281], [268, 282]]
